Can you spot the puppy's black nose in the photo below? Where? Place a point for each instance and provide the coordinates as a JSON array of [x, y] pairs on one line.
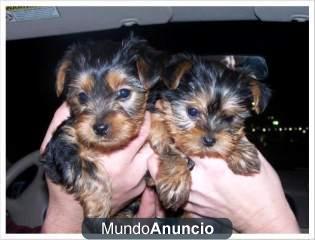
[[100, 129], [208, 141]]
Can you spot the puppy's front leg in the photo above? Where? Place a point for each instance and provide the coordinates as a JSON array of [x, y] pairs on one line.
[[173, 180], [244, 159], [93, 190], [67, 164]]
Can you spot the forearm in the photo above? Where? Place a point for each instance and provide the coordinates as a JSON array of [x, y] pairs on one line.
[[64, 214], [277, 218], [61, 221]]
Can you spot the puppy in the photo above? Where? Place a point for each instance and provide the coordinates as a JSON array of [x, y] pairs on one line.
[[200, 110], [106, 85]]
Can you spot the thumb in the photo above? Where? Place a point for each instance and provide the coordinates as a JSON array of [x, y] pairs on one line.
[[147, 204], [153, 166]]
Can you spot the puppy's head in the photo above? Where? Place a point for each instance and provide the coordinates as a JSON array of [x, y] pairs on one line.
[[208, 101], [106, 86]]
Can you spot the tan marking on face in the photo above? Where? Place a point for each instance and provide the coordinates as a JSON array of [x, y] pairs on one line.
[[83, 126], [189, 141], [115, 79], [122, 130], [199, 102], [86, 82]]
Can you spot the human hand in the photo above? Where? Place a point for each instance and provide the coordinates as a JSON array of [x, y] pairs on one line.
[[65, 214], [253, 203]]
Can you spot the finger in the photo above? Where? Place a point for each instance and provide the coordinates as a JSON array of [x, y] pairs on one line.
[[139, 162], [197, 178], [159, 211], [137, 165], [147, 204], [60, 115], [153, 166], [138, 189], [134, 146]]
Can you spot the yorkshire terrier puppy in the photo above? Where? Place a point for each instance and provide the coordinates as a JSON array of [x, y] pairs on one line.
[[106, 87], [199, 109]]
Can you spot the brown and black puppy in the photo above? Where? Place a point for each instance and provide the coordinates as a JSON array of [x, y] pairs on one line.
[[106, 87], [200, 111]]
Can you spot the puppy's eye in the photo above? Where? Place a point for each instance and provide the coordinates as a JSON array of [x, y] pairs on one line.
[[228, 119], [123, 93], [83, 98], [192, 112]]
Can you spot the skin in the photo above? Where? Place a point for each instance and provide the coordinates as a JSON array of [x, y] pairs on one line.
[[254, 204], [65, 214]]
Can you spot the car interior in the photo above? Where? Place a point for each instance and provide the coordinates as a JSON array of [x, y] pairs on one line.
[[35, 44]]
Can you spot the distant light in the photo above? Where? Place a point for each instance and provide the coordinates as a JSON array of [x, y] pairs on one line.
[[285, 129], [264, 129], [306, 128], [280, 129], [290, 129], [275, 122], [253, 130], [300, 128], [303, 131]]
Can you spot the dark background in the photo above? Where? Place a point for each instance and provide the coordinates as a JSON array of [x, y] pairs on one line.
[[31, 63]]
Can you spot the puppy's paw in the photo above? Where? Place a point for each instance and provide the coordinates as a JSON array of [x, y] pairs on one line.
[[173, 187], [244, 160], [60, 158]]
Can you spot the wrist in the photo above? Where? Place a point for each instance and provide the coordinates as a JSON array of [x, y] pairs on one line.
[[64, 214], [62, 219]]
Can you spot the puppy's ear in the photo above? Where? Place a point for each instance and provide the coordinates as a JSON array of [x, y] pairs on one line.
[[149, 61], [254, 66], [174, 71], [62, 69], [260, 95], [255, 69], [227, 60], [149, 66]]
